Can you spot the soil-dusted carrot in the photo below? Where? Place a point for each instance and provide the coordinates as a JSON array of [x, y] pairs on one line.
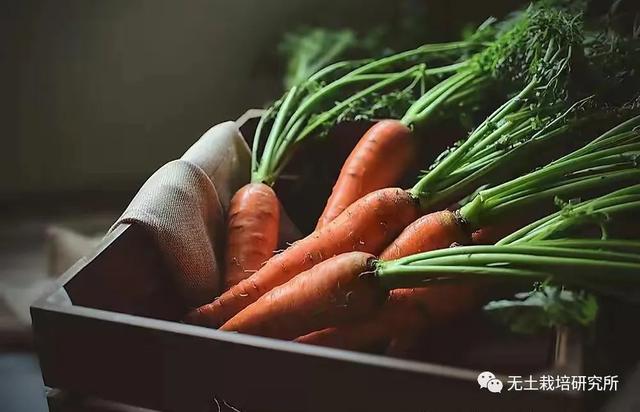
[[405, 315], [252, 231], [430, 232], [482, 158], [367, 225], [335, 291], [379, 160], [408, 312], [352, 285]]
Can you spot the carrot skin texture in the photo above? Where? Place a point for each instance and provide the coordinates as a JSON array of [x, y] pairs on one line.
[[337, 290], [405, 315], [428, 306], [379, 159], [252, 231], [368, 226], [407, 312], [372, 332], [436, 230]]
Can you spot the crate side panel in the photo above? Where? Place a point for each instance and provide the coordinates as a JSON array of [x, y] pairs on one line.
[[127, 276]]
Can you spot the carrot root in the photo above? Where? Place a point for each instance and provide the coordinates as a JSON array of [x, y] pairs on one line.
[[408, 312], [368, 226], [430, 232], [252, 231], [379, 160], [340, 289]]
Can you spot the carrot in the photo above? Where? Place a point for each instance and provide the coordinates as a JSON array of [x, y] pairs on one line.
[[370, 333], [379, 160], [368, 225], [408, 312], [337, 290], [404, 316], [252, 231], [436, 230]]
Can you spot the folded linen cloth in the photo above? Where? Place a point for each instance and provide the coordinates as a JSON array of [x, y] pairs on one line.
[[183, 209], [183, 206]]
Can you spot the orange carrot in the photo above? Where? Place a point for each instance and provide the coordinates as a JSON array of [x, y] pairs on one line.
[[403, 317], [340, 289], [407, 312], [436, 230], [369, 333], [252, 231], [379, 160], [368, 225]]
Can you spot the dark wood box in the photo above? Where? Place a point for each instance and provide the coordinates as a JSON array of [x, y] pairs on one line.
[[120, 343], [120, 340]]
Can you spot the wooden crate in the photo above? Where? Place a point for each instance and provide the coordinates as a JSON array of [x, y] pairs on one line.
[[121, 340]]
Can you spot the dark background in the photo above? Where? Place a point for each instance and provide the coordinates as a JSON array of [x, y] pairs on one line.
[[96, 95]]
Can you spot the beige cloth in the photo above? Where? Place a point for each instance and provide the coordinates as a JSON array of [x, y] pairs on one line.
[[184, 203], [184, 210]]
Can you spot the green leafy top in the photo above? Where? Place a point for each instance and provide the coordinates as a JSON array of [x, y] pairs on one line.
[[606, 162], [544, 307], [537, 46], [307, 50], [340, 91]]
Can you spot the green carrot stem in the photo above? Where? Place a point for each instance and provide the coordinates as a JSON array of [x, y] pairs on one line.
[[544, 228], [433, 94], [275, 130], [614, 245], [553, 228], [567, 186], [500, 166], [572, 266], [488, 213], [327, 90], [332, 68], [421, 117], [555, 170], [306, 106], [474, 92], [541, 248], [257, 137], [282, 163], [371, 89], [417, 276], [620, 134], [420, 190], [618, 196]]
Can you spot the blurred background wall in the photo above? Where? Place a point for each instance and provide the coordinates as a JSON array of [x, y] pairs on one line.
[[95, 95]]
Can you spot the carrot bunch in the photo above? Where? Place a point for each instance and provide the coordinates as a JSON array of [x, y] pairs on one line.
[[309, 109], [606, 163], [372, 222], [352, 285], [325, 295], [385, 263]]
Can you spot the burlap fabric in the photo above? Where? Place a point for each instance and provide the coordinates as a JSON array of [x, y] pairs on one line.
[[183, 206]]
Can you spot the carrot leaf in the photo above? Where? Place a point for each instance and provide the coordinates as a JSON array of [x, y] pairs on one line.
[[545, 307]]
